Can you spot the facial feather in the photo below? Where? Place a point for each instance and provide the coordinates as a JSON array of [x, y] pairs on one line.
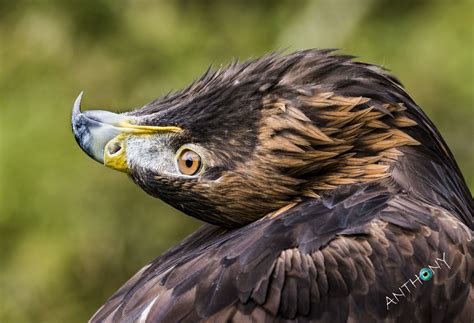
[[269, 144]]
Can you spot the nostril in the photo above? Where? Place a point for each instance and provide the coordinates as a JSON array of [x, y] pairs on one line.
[[114, 148]]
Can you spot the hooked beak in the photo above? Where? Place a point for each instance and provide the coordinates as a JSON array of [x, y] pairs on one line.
[[102, 134]]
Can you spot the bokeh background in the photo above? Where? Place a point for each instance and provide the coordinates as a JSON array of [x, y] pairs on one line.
[[72, 231]]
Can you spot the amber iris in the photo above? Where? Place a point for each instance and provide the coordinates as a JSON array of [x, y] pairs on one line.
[[189, 162]]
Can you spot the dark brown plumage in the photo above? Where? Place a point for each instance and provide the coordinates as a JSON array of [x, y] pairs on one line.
[[325, 186]]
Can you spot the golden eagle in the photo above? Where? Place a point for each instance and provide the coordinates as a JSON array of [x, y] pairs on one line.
[[329, 196]]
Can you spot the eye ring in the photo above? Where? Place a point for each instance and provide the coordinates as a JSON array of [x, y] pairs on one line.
[[188, 162]]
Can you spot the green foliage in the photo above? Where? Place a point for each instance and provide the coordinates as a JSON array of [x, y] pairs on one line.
[[72, 231]]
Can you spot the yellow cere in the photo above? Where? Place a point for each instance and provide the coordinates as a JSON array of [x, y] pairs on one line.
[[115, 154]]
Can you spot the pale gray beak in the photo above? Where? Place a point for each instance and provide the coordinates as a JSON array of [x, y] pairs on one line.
[[93, 129], [103, 134]]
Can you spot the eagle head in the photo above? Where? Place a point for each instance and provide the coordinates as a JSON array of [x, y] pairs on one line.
[[248, 140]]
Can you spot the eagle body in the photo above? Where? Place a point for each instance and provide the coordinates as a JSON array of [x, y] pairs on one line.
[[329, 196]]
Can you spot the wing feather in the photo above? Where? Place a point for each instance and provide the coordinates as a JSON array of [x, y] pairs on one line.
[[329, 260]]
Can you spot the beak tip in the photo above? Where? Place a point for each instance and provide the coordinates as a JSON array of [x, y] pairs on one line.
[[76, 110]]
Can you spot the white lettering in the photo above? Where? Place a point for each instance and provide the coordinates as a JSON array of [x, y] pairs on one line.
[[417, 279], [395, 299], [389, 301], [405, 285], [443, 260]]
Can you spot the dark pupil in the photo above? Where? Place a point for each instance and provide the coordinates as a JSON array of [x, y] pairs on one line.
[[189, 162], [425, 274]]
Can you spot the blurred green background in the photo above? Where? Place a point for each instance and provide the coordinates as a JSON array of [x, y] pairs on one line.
[[72, 231]]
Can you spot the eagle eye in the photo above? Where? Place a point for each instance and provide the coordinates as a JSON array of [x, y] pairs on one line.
[[189, 162]]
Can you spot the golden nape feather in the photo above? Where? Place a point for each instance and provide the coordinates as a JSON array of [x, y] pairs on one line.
[[354, 144]]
